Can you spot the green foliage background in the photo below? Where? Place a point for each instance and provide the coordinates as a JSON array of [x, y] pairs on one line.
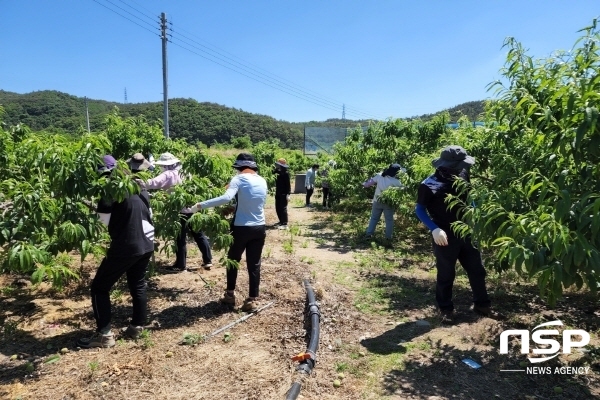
[[536, 184], [49, 187]]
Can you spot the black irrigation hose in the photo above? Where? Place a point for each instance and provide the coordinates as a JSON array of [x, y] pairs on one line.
[[314, 316]]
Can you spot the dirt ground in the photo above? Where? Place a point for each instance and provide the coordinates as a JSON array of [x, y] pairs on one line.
[[380, 337]]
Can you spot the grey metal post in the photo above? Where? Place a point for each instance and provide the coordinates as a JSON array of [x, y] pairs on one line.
[[163, 26]]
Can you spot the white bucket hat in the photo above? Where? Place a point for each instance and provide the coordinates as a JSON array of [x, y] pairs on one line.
[[167, 159]]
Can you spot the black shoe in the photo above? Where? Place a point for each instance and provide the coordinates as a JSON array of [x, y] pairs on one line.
[[132, 332], [448, 317], [173, 269], [488, 312], [207, 265]]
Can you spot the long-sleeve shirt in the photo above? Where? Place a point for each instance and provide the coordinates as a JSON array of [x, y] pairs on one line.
[[165, 181], [282, 184], [251, 192], [311, 175], [382, 182], [431, 197]]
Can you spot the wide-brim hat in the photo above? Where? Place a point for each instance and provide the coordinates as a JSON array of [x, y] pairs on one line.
[[453, 157], [282, 162], [167, 159], [245, 160], [138, 162]]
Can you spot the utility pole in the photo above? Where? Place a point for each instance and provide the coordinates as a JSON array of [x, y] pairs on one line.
[[343, 112], [87, 114], [125, 95], [163, 29]]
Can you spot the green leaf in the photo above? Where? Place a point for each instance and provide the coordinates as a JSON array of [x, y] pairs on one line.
[[52, 359]]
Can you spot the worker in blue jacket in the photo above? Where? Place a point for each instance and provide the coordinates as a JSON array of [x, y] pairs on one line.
[[433, 210]]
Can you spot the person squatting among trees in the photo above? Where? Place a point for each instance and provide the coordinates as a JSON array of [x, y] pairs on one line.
[[385, 179], [325, 184], [170, 176], [248, 226], [283, 189], [309, 182], [131, 246], [454, 163]]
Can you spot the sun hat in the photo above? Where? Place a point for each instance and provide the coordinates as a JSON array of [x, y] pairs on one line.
[[167, 159], [282, 162], [245, 160], [138, 162], [453, 157], [108, 164]]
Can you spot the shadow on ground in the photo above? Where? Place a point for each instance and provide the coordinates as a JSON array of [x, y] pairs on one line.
[[432, 369]]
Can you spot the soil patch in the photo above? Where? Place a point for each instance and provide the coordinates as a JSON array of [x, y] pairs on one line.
[[380, 329]]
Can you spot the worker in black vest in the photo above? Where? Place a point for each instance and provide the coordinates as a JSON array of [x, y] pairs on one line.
[[131, 246], [432, 209]]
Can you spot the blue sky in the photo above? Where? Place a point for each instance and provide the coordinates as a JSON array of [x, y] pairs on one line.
[[380, 58]]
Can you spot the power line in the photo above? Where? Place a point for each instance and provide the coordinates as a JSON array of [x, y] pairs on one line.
[[130, 20], [259, 78], [266, 78], [251, 77], [133, 15], [274, 78], [152, 17]]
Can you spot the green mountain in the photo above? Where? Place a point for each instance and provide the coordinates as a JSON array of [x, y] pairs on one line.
[[474, 110], [188, 119]]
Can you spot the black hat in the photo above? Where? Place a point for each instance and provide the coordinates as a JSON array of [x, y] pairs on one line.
[[245, 160], [392, 170], [454, 157]]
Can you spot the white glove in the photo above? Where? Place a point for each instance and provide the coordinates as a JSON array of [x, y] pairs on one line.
[[287, 197], [195, 208], [439, 237]]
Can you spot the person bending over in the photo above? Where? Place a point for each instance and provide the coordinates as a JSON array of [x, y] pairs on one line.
[[454, 163]]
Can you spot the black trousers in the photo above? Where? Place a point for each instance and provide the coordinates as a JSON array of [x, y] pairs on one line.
[[281, 204], [309, 193], [110, 270], [199, 237], [326, 197], [470, 259], [250, 239]]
